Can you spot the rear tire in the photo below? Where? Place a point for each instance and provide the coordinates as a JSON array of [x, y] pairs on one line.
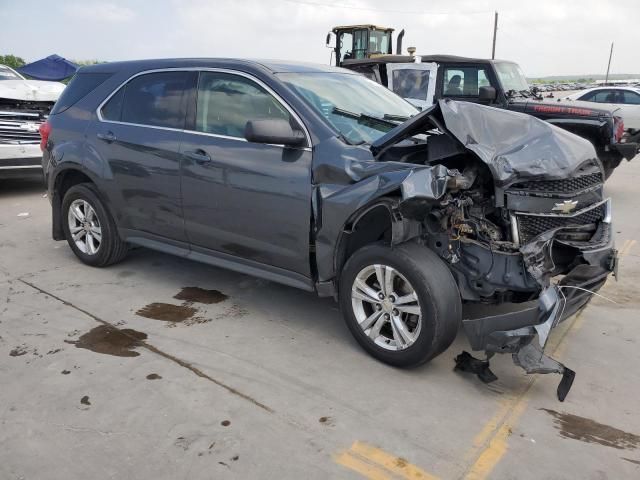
[[421, 336], [89, 229]]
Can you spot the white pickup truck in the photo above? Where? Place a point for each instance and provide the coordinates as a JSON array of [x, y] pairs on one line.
[[24, 106]]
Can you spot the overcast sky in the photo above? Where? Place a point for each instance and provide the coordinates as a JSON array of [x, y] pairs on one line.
[[547, 37]]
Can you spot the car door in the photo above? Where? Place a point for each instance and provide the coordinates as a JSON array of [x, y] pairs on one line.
[[415, 82], [138, 137], [248, 200], [631, 109]]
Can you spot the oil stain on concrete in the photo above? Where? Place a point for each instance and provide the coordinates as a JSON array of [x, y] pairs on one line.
[[200, 295], [167, 312], [590, 431], [111, 341]]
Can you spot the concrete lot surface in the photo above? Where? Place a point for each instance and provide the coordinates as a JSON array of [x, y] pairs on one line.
[[127, 372]]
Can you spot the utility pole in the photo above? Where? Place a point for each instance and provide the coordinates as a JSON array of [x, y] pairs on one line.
[[495, 31], [606, 80]]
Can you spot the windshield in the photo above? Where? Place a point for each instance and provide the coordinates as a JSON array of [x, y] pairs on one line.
[[511, 77], [350, 102], [8, 74]]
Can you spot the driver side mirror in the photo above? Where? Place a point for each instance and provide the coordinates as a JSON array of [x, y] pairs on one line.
[[275, 131], [328, 38], [488, 94]]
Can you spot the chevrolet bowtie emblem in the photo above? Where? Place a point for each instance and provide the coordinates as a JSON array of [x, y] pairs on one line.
[[565, 207]]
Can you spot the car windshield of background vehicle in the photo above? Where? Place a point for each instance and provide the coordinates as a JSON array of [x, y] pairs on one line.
[[8, 74], [511, 77], [330, 93]]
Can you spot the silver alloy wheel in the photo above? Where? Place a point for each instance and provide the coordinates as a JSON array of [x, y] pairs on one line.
[[386, 307], [84, 227]]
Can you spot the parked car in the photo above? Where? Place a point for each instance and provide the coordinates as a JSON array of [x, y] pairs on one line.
[[626, 99], [425, 79], [24, 106], [321, 179]]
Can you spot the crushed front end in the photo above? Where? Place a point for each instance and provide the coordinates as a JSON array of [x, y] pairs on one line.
[[522, 220], [561, 240]]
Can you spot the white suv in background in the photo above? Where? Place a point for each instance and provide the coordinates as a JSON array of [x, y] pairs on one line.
[[24, 106]]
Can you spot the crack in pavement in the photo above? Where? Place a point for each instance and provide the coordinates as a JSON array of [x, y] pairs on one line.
[[155, 350]]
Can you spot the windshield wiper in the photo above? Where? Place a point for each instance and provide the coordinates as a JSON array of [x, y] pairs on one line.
[[364, 117], [517, 93], [395, 118]]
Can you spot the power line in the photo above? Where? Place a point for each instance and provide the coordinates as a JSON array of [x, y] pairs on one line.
[[383, 10]]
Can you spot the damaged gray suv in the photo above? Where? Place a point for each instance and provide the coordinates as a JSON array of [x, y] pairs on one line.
[[321, 179]]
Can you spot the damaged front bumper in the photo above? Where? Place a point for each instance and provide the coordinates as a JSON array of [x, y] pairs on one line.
[[524, 333]]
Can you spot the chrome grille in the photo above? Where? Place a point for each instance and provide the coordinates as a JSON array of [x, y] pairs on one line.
[[565, 185], [530, 226], [19, 132]]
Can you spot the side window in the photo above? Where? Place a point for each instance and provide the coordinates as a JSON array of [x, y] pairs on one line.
[[463, 81], [155, 99], [360, 44], [411, 83], [631, 98], [226, 102], [606, 96], [346, 46], [112, 110], [589, 97]]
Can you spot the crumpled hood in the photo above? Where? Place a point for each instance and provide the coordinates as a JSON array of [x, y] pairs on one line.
[[35, 90], [514, 145]]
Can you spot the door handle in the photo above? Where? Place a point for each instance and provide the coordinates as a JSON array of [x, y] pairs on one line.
[[198, 156], [107, 137]]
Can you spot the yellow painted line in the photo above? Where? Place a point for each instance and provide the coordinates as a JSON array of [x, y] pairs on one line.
[[373, 462], [498, 445], [491, 443], [626, 247], [397, 465], [360, 466]]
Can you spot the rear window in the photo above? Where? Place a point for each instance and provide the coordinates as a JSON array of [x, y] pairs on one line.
[[79, 86]]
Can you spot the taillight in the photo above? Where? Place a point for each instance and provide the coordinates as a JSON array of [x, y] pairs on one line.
[[618, 128], [45, 130]]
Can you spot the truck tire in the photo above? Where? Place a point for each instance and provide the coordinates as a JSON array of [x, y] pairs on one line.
[[401, 304], [89, 228]]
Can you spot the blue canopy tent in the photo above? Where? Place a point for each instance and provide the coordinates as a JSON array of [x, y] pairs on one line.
[[54, 68]]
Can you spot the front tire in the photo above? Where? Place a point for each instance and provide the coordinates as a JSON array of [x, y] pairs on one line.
[[401, 304], [89, 229]]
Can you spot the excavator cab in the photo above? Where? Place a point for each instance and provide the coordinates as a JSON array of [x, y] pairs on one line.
[[357, 42]]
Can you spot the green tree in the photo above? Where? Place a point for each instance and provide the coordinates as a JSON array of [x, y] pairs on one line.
[[11, 61]]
